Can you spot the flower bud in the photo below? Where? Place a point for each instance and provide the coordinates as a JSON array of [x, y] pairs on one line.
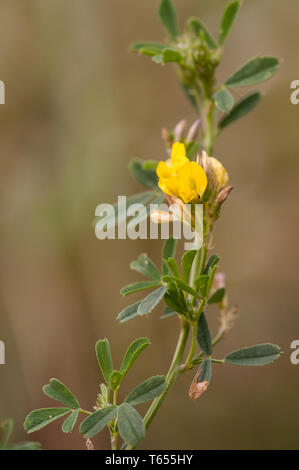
[[193, 131], [219, 172], [161, 217], [179, 130], [223, 194]]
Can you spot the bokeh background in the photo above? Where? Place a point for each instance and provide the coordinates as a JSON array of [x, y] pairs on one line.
[[79, 106]]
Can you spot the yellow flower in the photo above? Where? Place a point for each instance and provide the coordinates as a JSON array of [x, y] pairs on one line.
[[181, 178]]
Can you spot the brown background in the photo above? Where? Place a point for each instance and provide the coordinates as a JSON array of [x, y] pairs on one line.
[[78, 108]]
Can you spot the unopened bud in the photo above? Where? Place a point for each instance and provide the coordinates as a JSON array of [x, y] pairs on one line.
[[179, 130], [223, 194], [167, 137], [193, 131]]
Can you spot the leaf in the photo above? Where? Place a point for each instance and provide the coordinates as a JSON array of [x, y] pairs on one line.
[[224, 100], [148, 390], [181, 284], [95, 422], [168, 17], [147, 48], [210, 264], [38, 419], [255, 71], [243, 107], [217, 296], [115, 379], [169, 250], [168, 312], [199, 29], [59, 392], [201, 380], [146, 177], [129, 312], [228, 19], [139, 286], [6, 428], [204, 335], [103, 353], [133, 351], [130, 424], [151, 301], [69, 423], [211, 278], [175, 299], [173, 267], [27, 445], [201, 284], [258, 355], [145, 266], [187, 261], [171, 55]]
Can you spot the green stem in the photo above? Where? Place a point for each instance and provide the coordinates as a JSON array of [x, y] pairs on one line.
[[171, 375], [192, 348]]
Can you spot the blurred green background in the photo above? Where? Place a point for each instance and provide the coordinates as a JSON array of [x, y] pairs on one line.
[[78, 107]]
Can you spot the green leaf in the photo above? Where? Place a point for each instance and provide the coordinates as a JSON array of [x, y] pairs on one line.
[[168, 17], [148, 48], [210, 264], [133, 351], [146, 177], [171, 55], [169, 250], [258, 355], [187, 261], [168, 312], [27, 445], [255, 71], [139, 286], [199, 29], [38, 419], [181, 284], [243, 107], [103, 353], [173, 267], [148, 390], [115, 379], [204, 335], [228, 19], [175, 299], [130, 424], [217, 296], [201, 284], [129, 312], [59, 392], [224, 100], [69, 423], [205, 371], [6, 428], [211, 278], [94, 423], [145, 266], [151, 301]]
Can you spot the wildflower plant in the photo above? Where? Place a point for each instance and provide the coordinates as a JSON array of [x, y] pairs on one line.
[[188, 176]]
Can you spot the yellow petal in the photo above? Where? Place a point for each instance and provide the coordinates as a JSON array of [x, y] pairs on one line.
[[163, 170], [169, 186], [193, 177], [178, 156]]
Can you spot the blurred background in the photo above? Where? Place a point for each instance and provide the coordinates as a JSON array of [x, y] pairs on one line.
[[78, 107]]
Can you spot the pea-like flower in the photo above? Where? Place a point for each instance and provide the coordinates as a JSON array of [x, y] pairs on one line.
[[181, 178]]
